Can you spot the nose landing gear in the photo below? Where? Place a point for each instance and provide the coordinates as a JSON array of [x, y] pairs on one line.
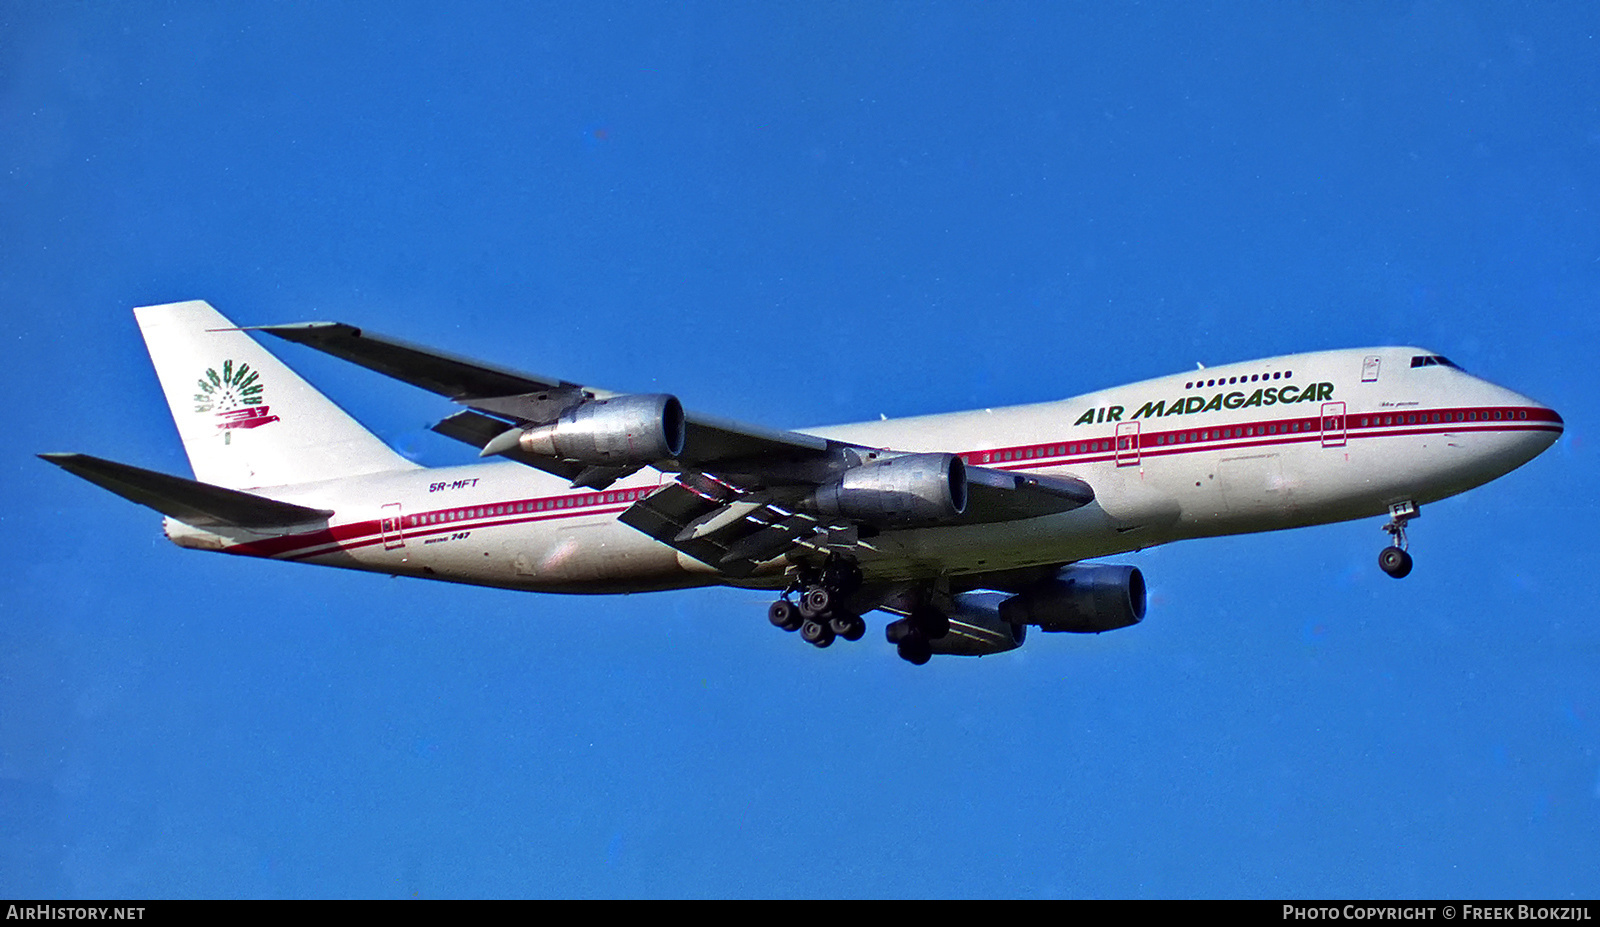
[[1395, 560]]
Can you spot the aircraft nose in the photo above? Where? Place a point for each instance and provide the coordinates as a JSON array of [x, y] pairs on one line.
[[1532, 415], [1546, 425], [1547, 417], [1536, 426]]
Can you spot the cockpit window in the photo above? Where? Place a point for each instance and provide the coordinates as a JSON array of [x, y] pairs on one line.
[[1431, 360]]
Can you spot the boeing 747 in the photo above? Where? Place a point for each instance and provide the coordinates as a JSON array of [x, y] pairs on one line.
[[967, 528]]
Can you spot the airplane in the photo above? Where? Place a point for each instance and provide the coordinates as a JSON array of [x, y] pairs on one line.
[[967, 528]]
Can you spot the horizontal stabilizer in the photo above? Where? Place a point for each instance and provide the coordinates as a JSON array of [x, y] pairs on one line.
[[189, 501]]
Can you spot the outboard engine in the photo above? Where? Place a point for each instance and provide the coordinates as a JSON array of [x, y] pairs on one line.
[[1082, 599], [622, 431]]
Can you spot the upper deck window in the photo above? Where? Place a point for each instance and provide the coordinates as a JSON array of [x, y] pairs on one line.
[[1253, 378]]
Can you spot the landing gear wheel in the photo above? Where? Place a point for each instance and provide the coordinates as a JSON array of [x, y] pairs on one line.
[[783, 614], [1395, 562], [915, 650], [817, 602], [816, 633], [849, 627]]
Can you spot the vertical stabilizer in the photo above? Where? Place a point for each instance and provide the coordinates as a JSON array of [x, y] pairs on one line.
[[247, 420]]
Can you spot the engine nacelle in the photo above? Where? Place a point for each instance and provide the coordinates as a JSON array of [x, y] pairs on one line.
[[976, 628], [625, 430], [1082, 599], [912, 489]]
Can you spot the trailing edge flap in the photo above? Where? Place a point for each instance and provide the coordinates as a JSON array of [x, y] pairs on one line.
[[735, 531], [191, 502], [999, 495], [534, 399], [707, 520]]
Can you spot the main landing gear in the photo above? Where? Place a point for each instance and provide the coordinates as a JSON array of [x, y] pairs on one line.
[[911, 635], [1394, 560], [820, 614], [818, 605]]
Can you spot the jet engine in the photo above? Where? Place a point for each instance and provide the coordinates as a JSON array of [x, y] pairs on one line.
[[912, 489], [1082, 598], [625, 430], [976, 628]]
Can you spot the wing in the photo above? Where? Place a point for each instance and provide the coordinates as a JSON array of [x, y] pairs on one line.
[[530, 399], [746, 494]]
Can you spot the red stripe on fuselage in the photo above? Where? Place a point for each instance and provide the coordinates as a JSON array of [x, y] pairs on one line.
[[355, 535], [1305, 428]]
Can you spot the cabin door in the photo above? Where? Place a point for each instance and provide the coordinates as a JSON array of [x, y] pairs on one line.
[[1127, 444], [393, 536], [1333, 430]]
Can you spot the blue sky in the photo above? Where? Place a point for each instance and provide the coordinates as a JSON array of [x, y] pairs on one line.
[[795, 215]]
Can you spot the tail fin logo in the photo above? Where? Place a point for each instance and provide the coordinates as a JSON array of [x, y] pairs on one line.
[[234, 396]]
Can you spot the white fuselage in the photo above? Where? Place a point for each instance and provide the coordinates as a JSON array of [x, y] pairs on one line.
[[1279, 443]]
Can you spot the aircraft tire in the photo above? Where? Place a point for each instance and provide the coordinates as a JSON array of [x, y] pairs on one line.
[[1395, 562], [915, 650], [817, 602], [784, 615], [816, 633], [850, 627]]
